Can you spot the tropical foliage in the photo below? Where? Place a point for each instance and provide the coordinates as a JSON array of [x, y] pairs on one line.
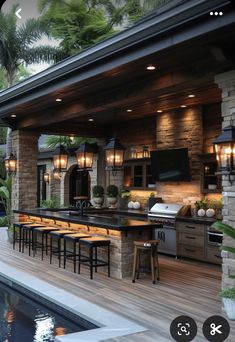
[[66, 141], [228, 230], [5, 199], [79, 24], [16, 45]]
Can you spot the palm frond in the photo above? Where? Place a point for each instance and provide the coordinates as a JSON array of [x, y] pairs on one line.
[[225, 228]]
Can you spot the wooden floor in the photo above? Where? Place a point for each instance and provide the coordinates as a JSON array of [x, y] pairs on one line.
[[185, 288]]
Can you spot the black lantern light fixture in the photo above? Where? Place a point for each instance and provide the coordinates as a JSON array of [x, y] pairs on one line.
[[10, 163], [114, 155], [46, 177], [60, 159], [225, 150], [57, 174], [84, 156]]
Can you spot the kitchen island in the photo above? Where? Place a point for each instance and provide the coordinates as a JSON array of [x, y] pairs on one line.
[[121, 231]]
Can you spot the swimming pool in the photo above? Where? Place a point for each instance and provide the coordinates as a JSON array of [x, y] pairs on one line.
[[25, 319]]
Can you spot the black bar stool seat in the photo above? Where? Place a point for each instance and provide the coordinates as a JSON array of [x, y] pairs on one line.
[[74, 238], [44, 231], [93, 243], [27, 234], [17, 232], [58, 234], [151, 246]]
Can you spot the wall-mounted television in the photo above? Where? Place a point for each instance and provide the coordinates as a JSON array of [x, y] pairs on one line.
[[170, 165]]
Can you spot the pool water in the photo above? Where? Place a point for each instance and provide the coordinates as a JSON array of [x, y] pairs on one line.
[[25, 320]]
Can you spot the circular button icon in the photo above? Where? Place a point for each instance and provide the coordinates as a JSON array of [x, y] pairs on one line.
[[183, 329], [216, 329]]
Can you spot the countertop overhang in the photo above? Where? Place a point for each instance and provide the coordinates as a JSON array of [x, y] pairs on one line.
[[111, 223]]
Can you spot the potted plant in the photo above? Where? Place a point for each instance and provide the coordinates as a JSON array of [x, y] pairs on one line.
[[98, 195], [228, 294], [5, 199], [201, 207], [124, 195], [112, 193]]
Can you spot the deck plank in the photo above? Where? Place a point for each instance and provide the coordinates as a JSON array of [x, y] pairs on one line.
[[185, 288]]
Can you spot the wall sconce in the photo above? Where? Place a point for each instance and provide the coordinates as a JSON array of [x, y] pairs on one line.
[[46, 177], [10, 163], [57, 175], [60, 159], [84, 156], [114, 155], [146, 153], [225, 151]]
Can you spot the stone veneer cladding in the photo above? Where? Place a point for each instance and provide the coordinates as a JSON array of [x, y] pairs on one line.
[[226, 82], [24, 188]]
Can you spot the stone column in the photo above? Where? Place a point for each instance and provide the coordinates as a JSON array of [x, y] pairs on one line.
[[226, 83], [24, 188]]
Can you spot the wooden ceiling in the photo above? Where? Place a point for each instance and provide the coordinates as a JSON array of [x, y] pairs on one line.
[[186, 69]]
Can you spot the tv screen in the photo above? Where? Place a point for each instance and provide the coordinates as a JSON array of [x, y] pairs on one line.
[[170, 165]]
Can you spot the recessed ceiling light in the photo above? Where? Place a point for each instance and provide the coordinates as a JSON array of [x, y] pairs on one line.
[[13, 116], [90, 120], [191, 95], [58, 100], [151, 67], [183, 106], [129, 110], [159, 111]]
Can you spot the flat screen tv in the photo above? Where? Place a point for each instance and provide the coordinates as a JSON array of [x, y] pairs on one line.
[[170, 165]]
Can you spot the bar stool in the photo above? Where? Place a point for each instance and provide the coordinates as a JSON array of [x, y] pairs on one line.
[[44, 231], [151, 246], [27, 235], [74, 238], [58, 234], [93, 243], [17, 232]]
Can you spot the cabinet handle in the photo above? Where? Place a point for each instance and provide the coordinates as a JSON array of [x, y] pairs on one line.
[[190, 237], [190, 227], [190, 250]]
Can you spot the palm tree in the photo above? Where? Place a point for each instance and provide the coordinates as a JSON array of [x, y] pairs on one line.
[[16, 45], [67, 141]]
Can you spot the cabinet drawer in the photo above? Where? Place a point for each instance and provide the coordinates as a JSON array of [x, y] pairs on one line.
[[191, 239], [188, 227], [191, 252], [213, 254]]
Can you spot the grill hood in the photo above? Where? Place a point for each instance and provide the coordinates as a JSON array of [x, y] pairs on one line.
[[165, 210]]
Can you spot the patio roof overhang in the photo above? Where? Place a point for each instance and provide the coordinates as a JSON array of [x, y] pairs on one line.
[[187, 45]]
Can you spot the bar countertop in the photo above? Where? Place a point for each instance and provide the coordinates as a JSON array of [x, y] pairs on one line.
[[112, 223]]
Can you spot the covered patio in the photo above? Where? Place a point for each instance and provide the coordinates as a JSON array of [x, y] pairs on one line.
[[167, 82]]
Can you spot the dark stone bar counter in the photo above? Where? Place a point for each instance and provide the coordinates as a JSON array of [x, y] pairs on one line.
[[120, 229]]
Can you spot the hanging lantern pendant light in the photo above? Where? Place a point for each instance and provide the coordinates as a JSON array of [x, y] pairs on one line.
[[60, 159], [114, 155], [84, 156], [10, 163]]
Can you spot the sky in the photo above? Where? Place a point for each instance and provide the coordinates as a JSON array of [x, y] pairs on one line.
[[29, 10]]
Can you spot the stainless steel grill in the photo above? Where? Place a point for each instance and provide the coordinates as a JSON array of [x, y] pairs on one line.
[[166, 215]]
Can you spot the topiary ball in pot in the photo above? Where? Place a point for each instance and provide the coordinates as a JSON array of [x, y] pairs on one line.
[[98, 195], [112, 193]]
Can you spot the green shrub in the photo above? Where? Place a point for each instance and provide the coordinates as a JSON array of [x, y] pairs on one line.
[[228, 293], [112, 191], [98, 191], [51, 203]]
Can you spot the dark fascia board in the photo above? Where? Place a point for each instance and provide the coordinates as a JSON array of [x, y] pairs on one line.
[[125, 45]]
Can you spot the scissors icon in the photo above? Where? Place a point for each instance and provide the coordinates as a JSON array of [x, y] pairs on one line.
[[215, 329]]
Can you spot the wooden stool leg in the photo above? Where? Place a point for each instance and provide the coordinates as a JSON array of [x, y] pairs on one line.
[[14, 236], [95, 259], [74, 257], [91, 262], [64, 253], [138, 262], [79, 257], [152, 264], [51, 244], [157, 264], [59, 249], [134, 264], [109, 261]]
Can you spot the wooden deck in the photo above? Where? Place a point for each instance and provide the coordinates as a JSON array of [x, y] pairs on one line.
[[185, 288]]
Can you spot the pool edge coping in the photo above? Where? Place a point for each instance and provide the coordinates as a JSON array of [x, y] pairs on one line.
[[110, 324]]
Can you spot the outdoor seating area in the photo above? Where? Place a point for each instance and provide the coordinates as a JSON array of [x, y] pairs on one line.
[[117, 170]]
